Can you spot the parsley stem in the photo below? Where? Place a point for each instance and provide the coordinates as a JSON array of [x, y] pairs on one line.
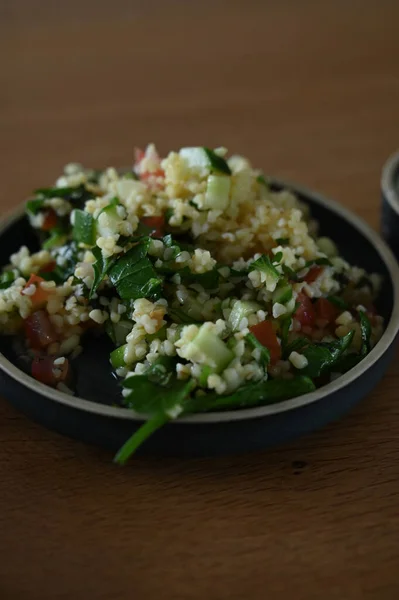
[[140, 436]]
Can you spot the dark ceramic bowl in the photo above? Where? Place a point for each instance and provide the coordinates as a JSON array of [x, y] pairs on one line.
[[390, 202], [91, 415]]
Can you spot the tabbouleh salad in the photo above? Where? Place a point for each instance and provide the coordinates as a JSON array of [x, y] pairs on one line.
[[214, 287]]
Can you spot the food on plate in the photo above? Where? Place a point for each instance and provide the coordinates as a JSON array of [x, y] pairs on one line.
[[213, 285]]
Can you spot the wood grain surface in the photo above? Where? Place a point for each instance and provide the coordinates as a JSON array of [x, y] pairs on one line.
[[308, 90]]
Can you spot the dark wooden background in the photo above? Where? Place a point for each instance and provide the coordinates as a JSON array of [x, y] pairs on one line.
[[310, 91]]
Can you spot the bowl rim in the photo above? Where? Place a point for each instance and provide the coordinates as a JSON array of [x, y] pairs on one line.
[[390, 193], [338, 384]]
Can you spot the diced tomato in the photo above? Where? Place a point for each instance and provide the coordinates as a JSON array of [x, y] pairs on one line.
[[40, 296], [50, 220], [49, 267], [157, 225], [313, 274], [305, 312], [266, 335], [325, 310], [39, 330], [139, 155], [44, 370]]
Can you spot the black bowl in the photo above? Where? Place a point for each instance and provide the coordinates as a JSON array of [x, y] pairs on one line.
[[92, 416], [390, 202]]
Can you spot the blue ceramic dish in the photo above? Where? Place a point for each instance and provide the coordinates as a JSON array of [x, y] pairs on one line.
[[390, 202], [91, 415]]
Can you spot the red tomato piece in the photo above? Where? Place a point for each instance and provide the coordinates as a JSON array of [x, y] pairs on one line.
[[44, 370], [325, 310], [144, 175], [49, 267], [40, 296], [50, 220], [266, 335], [305, 312], [313, 274], [157, 225], [39, 330]]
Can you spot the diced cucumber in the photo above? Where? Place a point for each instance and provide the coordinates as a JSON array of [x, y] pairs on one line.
[[121, 330], [212, 348], [217, 192], [202, 158], [283, 293], [117, 357], [84, 229], [327, 246], [118, 331], [195, 158], [240, 310], [108, 219]]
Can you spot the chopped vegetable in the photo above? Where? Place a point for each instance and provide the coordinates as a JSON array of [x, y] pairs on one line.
[[155, 224], [50, 220], [134, 276], [217, 192], [39, 330], [241, 310], [305, 312], [266, 335], [264, 353], [44, 370], [38, 296], [83, 231], [211, 349]]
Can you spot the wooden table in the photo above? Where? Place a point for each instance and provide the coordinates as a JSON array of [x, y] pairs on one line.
[[308, 90]]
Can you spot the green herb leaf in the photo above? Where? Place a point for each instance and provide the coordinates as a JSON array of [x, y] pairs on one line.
[[277, 257], [7, 278], [337, 301], [290, 273], [324, 357], [34, 206], [319, 261], [56, 239], [283, 241], [253, 394], [83, 230], [264, 359], [265, 265], [218, 163], [262, 179], [295, 346], [159, 394], [101, 268], [139, 437], [365, 328], [134, 276]]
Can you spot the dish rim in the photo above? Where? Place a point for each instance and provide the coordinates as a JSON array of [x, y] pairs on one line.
[[387, 182], [338, 384]]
